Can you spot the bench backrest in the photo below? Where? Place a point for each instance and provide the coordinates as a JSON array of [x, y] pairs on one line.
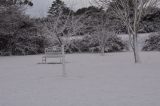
[[54, 51]]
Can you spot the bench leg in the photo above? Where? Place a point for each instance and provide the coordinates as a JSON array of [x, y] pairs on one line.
[[61, 60], [44, 60]]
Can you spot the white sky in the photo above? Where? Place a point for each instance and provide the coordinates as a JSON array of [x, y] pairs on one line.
[[41, 7]]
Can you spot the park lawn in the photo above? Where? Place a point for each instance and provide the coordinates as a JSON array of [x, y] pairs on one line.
[[91, 80]]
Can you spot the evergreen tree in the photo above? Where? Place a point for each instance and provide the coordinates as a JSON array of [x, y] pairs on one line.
[[58, 7]]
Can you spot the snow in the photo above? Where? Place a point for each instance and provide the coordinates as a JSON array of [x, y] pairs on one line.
[[92, 80]]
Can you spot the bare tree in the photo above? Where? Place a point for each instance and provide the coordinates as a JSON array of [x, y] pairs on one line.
[[102, 35], [130, 12], [61, 28], [103, 31]]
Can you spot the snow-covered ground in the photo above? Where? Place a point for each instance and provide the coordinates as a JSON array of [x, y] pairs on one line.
[[92, 80]]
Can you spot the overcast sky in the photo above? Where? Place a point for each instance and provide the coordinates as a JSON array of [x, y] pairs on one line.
[[41, 7]]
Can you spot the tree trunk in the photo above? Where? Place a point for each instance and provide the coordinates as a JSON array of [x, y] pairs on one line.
[[63, 62], [135, 48], [102, 50]]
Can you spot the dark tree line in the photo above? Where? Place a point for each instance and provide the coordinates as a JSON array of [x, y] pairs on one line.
[[150, 22], [20, 34]]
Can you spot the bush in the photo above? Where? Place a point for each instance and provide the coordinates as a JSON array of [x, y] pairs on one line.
[[78, 45], [115, 44], [29, 46], [152, 43], [24, 38], [24, 46], [91, 44]]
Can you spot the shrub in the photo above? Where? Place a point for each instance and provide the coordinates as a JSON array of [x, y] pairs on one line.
[[91, 44], [23, 45], [152, 43], [78, 45], [115, 44]]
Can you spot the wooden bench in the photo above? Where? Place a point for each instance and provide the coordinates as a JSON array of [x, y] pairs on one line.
[[54, 52]]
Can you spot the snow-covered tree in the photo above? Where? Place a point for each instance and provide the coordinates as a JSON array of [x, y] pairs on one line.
[[130, 12], [102, 32], [61, 22]]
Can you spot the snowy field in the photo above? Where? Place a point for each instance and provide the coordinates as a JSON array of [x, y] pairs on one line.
[[92, 80]]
